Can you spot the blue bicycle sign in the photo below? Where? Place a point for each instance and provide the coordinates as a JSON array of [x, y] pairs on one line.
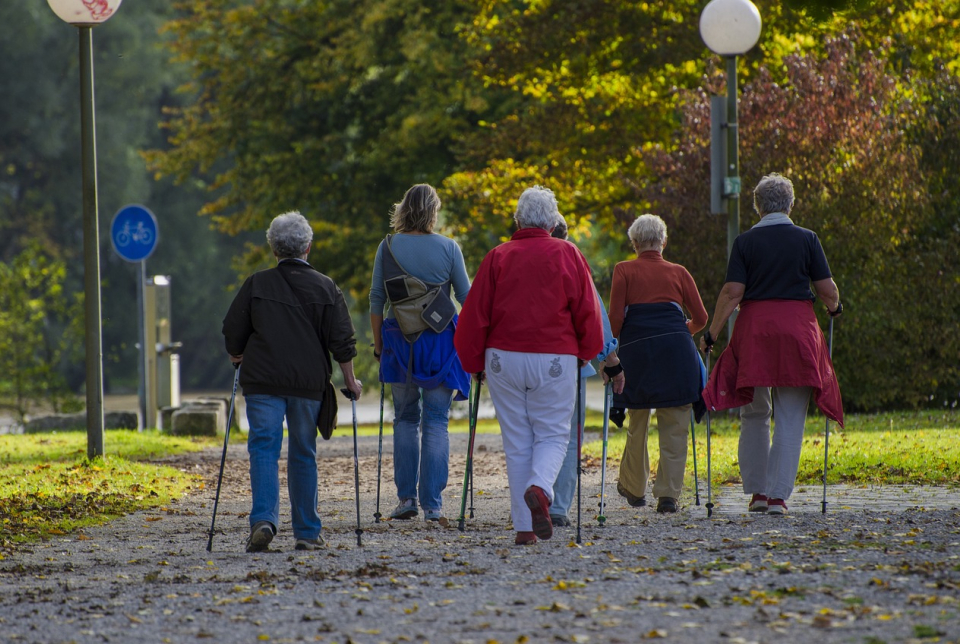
[[134, 233]]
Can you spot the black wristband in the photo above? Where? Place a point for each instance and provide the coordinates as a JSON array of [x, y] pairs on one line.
[[838, 310], [708, 339], [613, 371], [375, 354]]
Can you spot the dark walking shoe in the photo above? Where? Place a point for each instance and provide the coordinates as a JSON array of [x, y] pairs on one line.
[[559, 521], [634, 501], [665, 504], [617, 416], [261, 534], [406, 509], [536, 500], [310, 544], [758, 503], [525, 539]]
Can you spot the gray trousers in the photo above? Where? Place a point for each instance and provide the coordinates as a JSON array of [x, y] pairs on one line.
[[766, 468]]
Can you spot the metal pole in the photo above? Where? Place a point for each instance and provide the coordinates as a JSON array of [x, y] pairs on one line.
[[91, 249], [732, 186], [141, 334]]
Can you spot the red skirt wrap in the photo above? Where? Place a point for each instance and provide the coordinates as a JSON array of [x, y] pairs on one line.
[[775, 343]]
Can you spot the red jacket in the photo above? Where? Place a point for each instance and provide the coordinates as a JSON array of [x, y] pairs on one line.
[[775, 343], [533, 294]]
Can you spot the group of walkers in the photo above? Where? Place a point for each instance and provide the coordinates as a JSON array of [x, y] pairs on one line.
[[529, 327]]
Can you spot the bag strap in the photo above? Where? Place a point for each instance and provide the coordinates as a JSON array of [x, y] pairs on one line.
[[392, 268]]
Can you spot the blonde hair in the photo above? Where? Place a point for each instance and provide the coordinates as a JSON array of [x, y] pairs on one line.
[[418, 210]]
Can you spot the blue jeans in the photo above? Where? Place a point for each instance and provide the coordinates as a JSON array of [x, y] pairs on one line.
[[421, 445], [566, 485], [265, 414]]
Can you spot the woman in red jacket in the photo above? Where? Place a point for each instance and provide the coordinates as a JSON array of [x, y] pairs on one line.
[[777, 353], [531, 315]]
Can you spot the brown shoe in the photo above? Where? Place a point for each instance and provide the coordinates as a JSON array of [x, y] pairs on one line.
[[525, 539], [536, 500], [634, 501]]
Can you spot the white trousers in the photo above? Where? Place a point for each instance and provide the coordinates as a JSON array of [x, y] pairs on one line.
[[534, 395], [765, 468]]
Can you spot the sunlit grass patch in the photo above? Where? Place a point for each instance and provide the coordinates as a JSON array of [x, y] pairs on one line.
[[49, 487], [918, 448]]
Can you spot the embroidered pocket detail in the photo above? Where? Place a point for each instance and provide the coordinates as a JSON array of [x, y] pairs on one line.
[[495, 363], [555, 369]]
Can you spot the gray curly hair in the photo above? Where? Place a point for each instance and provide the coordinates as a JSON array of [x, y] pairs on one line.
[[289, 235], [774, 193], [537, 208], [647, 230]]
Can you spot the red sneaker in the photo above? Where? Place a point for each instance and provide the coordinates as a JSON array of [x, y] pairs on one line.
[[536, 500], [525, 539], [758, 503], [776, 506]]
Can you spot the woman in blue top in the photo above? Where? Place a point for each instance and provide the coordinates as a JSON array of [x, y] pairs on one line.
[[566, 484], [426, 374]]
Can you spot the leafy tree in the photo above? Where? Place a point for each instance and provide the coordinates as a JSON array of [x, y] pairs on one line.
[[331, 108], [40, 326], [40, 192], [837, 126]]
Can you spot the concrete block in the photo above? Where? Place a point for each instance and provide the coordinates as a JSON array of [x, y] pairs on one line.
[[198, 421], [122, 420]]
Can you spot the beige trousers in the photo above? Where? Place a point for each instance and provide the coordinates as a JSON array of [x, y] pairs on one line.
[[672, 425]]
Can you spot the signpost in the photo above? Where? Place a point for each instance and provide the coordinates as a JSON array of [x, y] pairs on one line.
[[134, 236]]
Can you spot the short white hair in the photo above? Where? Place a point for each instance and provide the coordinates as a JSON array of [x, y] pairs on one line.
[[648, 229], [774, 193], [289, 235], [537, 208]]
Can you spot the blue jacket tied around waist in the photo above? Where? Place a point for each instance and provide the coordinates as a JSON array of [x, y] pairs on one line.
[[660, 360]]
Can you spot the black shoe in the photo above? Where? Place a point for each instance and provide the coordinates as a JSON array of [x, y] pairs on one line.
[[634, 501], [617, 416], [261, 534], [559, 521], [666, 504]]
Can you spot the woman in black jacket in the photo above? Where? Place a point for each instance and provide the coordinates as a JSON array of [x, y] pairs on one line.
[[283, 326]]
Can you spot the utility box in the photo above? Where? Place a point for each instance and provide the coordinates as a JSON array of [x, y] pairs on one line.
[[162, 372]]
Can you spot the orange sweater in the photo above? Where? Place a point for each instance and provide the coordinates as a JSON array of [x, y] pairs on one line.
[[651, 279]]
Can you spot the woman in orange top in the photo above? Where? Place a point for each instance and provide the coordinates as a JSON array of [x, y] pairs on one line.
[[661, 363]]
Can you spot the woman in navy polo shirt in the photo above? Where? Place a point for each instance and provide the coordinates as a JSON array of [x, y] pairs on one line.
[[777, 352]]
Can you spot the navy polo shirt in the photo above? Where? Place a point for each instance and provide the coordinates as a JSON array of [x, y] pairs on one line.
[[777, 262]]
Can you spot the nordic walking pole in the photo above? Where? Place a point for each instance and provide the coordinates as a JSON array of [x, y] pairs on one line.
[[696, 475], [223, 457], [476, 416], [579, 451], [601, 518], [709, 483], [474, 411], [376, 515], [356, 461], [826, 438]]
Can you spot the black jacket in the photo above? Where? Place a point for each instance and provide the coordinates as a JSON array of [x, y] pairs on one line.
[[277, 331]]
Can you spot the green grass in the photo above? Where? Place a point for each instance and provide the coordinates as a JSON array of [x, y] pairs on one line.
[[49, 487], [918, 448]]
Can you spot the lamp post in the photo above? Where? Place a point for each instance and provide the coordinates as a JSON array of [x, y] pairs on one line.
[[731, 28], [85, 15]]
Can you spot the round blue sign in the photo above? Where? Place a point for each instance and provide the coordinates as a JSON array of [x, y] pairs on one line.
[[134, 233]]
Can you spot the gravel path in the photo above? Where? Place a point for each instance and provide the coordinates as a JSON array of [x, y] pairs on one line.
[[882, 566]]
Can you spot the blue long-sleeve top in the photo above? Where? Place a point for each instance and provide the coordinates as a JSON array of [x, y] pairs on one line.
[[609, 342], [432, 258]]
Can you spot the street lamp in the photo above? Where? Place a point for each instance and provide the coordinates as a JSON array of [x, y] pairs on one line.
[[85, 15], [731, 28]]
